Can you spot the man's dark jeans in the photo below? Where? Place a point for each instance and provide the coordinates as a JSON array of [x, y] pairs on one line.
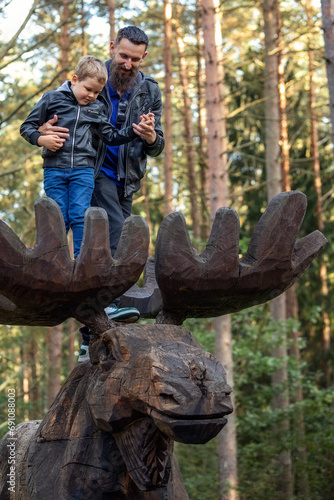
[[111, 197]]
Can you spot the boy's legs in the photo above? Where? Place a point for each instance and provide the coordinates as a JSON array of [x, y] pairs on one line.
[[81, 185], [56, 187]]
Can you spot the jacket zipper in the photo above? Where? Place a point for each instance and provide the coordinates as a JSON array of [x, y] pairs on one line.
[[101, 146], [127, 149], [125, 121], [73, 138]]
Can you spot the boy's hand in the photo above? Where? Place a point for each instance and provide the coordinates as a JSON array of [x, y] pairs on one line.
[[51, 142], [145, 128], [49, 128]]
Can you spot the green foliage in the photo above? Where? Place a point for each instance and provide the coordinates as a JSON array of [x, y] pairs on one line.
[[23, 355], [199, 466]]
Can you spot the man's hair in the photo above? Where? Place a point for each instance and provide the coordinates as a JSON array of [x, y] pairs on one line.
[[133, 34], [91, 67]]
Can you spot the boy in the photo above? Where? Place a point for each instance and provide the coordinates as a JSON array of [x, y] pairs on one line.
[[69, 166]]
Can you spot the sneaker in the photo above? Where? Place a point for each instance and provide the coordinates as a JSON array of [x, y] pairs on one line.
[[124, 314], [83, 353]]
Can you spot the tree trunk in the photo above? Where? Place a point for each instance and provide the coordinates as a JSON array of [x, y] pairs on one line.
[[144, 190], [25, 382], [202, 146], [327, 8], [72, 329], [188, 132], [326, 328], [280, 402], [291, 299], [34, 395], [227, 440], [301, 476], [168, 157], [218, 175], [274, 183], [272, 106], [64, 39], [111, 12], [216, 119], [83, 28], [286, 184], [55, 341]]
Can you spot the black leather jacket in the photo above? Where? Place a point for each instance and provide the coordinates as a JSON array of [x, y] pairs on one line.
[[82, 121], [145, 96]]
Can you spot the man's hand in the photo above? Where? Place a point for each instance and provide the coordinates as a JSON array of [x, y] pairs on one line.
[[145, 128], [51, 142], [48, 128]]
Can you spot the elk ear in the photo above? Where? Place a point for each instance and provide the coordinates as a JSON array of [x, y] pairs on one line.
[[106, 350], [106, 358]]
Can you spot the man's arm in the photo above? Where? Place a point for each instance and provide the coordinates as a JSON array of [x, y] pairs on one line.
[[48, 128], [151, 131]]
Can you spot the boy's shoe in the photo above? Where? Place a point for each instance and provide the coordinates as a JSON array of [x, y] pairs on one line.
[[83, 353], [124, 314]]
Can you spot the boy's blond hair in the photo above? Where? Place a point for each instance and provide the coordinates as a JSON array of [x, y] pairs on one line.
[[91, 67]]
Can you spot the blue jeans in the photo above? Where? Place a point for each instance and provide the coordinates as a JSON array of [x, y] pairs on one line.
[[72, 189], [111, 197]]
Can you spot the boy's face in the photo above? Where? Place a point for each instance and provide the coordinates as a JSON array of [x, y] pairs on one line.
[[86, 90]]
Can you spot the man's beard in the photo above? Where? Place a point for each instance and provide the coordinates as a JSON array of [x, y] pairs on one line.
[[122, 82]]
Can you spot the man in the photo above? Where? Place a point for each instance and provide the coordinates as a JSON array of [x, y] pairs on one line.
[[127, 96]]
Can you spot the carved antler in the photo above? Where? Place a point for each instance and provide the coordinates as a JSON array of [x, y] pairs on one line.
[[44, 286], [148, 298], [216, 282]]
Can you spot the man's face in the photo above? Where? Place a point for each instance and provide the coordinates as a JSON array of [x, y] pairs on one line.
[[127, 56], [126, 59]]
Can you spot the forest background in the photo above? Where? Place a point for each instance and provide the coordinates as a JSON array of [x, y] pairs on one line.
[[246, 115]]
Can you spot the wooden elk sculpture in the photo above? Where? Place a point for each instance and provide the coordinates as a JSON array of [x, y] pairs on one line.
[[110, 430]]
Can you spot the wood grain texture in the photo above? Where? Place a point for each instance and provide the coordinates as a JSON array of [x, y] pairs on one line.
[[111, 428], [110, 431], [146, 299], [216, 282], [44, 286]]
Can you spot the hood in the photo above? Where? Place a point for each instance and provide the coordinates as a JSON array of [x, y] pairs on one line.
[[66, 88]]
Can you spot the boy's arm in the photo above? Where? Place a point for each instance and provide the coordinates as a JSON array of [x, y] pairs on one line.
[[113, 137], [37, 116], [51, 142]]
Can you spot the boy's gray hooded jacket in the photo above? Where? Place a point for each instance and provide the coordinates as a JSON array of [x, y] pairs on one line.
[[82, 122]]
